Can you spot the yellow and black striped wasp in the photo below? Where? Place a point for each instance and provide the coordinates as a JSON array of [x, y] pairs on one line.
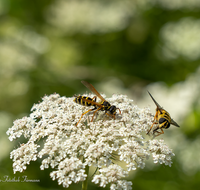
[[162, 118], [103, 105]]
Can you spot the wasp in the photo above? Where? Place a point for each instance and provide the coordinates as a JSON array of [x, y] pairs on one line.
[[162, 118], [103, 105]]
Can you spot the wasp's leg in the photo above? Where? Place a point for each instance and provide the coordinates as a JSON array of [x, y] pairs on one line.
[[95, 112], [151, 127], [94, 98], [156, 116], [112, 115], [159, 133], [84, 114]]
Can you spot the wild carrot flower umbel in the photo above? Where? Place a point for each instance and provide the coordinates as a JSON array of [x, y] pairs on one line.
[[71, 150]]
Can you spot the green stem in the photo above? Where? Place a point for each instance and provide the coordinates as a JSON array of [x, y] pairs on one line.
[[84, 184]]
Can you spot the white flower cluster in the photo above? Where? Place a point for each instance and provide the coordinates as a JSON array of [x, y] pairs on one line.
[[112, 174], [69, 149], [161, 152]]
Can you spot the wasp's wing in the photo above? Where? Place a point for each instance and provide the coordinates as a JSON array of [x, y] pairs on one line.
[[91, 87], [155, 101], [174, 123]]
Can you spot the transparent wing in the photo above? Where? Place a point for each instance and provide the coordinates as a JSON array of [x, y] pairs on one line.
[[174, 123], [155, 101], [91, 87]]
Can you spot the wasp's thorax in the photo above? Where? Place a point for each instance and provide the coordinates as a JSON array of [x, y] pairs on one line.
[[164, 118], [108, 108]]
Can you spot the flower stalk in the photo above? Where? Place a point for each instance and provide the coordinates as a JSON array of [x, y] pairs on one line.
[[85, 183]]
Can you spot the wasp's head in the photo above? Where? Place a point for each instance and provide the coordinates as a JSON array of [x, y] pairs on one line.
[[112, 110]]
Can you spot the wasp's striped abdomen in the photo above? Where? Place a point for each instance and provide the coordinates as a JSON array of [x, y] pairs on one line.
[[81, 100]]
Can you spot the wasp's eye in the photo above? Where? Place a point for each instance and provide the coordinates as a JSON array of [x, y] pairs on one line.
[[165, 123], [162, 120], [112, 110]]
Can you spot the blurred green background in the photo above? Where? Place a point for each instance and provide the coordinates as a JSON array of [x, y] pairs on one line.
[[123, 47]]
